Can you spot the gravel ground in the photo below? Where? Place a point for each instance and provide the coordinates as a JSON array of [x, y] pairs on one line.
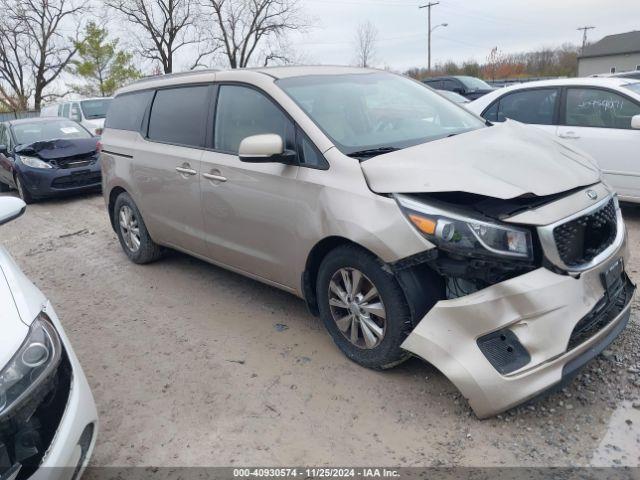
[[193, 365]]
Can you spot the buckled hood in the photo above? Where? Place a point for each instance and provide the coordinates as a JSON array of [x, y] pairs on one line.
[[59, 148], [503, 161]]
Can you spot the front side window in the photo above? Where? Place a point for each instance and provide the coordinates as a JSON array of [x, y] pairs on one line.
[[473, 83], [65, 110], [95, 108], [368, 111], [242, 112], [528, 106], [589, 107], [179, 115], [31, 132], [450, 85]]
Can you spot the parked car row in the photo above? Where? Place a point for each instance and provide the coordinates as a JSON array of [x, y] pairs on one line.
[[409, 224]]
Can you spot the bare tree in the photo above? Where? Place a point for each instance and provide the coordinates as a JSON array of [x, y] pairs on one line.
[[249, 28], [366, 41], [33, 50], [165, 26]]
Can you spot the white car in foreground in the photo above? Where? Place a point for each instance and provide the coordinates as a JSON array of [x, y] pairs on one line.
[[47, 414], [601, 116]]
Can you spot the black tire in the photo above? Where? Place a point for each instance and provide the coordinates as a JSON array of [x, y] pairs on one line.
[[23, 191], [397, 324], [4, 187], [147, 251]]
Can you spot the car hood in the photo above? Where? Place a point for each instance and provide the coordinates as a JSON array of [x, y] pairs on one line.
[[14, 331], [503, 161], [60, 148]]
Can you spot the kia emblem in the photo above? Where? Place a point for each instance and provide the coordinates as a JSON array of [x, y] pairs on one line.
[[592, 194]]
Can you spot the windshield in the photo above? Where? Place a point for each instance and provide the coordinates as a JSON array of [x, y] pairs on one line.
[[474, 83], [95, 108], [377, 110], [634, 87], [27, 133]]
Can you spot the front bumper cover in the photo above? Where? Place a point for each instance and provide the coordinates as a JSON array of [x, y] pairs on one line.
[[541, 308]]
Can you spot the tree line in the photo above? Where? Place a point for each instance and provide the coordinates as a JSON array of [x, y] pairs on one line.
[[547, 62], [40, 40]]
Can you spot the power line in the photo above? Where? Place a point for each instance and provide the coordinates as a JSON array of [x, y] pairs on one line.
[[584, 35]]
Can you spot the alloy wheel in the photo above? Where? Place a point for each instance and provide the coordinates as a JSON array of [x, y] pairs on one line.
[[357, 308], [129, 228]]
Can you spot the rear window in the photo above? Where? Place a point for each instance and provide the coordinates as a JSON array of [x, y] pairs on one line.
[[179, 116], [127, 110]]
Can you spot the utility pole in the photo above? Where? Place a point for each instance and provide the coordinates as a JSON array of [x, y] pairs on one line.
[[428, 7], [584, 35]]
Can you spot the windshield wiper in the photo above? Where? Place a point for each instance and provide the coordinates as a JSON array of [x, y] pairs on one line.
[[372, 152]]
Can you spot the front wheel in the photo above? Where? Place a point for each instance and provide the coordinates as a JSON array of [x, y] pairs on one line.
[[23, 191], [132, 232], [363, 308]]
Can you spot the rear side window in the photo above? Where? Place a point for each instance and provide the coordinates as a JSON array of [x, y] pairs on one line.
[[179, 116], [65, 110], [243, 112], [450, 85], [127, 110], [587, 107], [528, 106]]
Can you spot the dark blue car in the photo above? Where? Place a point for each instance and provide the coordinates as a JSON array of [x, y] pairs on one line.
[[47, 157]]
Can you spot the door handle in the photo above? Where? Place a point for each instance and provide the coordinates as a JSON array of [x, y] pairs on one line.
[[215, 178], [186, 171], [570, 135]]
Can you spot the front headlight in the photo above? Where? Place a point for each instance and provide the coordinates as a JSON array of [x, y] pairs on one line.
[[465, 235], [34, 162], [34, 362]]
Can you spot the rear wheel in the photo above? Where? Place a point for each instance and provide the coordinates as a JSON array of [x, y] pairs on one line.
[[132, 232], [363, 307], [24, 193]]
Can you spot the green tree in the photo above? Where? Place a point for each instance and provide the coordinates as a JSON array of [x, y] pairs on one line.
[[100, 64]]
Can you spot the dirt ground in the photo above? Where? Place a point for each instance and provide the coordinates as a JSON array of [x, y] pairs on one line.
[[193, 365]]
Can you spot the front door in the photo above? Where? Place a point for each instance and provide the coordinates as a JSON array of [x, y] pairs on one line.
[[598, 121], [249, 209], [168, 165]]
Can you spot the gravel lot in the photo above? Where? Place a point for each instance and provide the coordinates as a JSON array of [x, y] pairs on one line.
[[194, 365]]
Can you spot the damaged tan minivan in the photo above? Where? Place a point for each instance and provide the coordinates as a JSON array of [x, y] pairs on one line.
[[408, 224]]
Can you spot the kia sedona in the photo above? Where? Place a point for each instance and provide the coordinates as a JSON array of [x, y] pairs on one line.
[[410, 225], [47, 157]]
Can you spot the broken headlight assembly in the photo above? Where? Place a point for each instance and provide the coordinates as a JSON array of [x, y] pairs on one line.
[[34, 162], [31, 367], [465, 235]]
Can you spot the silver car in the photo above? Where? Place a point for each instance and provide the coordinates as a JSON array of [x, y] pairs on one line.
[[408, 224]]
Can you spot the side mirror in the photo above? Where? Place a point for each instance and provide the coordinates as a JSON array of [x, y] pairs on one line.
[[11, 208], [635, 122], [267, 148], [4, 150], [460, 91]]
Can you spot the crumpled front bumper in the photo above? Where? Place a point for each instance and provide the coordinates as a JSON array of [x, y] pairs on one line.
[[541, 308]]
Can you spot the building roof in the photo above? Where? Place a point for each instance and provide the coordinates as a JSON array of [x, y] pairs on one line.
[[614, 45]]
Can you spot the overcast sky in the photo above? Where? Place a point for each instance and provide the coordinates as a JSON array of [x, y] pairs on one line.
[[474, 27]]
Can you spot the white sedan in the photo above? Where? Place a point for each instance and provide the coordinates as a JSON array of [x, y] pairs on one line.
[[47, 414], [600, 116]]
